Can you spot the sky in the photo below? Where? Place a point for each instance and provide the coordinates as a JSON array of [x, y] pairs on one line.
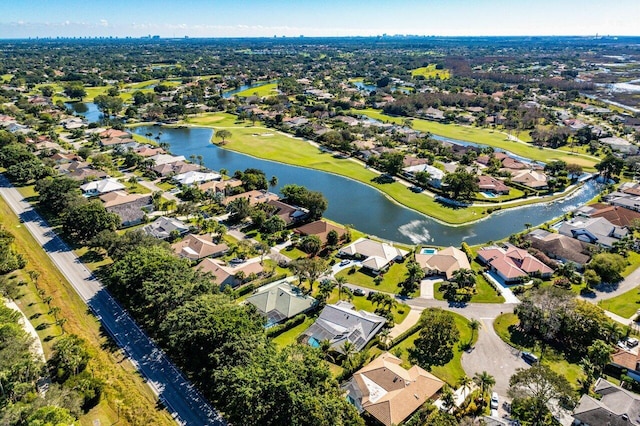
[[268, 18]]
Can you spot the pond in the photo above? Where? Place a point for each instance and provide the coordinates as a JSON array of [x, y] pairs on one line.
[[363, 207], [88, 110]]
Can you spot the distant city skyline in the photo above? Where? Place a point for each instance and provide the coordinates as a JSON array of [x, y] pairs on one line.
[[268, 18]]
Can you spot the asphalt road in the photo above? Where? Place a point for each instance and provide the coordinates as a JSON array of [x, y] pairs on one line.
[[182, 400]]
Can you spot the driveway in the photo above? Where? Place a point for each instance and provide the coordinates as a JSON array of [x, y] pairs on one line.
[[607, 291]]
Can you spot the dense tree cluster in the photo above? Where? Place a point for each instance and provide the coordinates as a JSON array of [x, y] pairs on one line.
[[438, 336], [223, 345], [556, 317], [313, 201]]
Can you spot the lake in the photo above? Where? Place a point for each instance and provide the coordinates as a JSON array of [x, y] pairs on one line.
[[363, 207], [88, 110]]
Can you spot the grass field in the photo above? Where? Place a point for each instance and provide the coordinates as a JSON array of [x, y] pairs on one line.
[[125, 391], [487, 137], [260, 91], [484, 292], [390, 282], [430, 71], [266, 143], [624, 305]]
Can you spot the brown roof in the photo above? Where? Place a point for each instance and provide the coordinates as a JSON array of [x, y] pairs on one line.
[[619, 216], [560, 246], [391, 393], [219, 186], [255, 197], [224, 275], [489, 183], [198, 246], [145, 151], [319, 228], [445, 262], [114, 133], [116, 198], [625, 359]]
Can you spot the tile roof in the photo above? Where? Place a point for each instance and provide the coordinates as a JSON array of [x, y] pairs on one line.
[[445, 261]]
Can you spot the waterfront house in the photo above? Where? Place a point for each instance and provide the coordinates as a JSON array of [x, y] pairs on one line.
[[254, 197], [320, 229], [512, 264], [616, 407], [617, 215], [560, 247], [493, 185], [194, 177], [376, 256], [443, 262], [594, 230], [435, 175]]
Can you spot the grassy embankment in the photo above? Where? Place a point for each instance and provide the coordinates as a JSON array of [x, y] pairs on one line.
[[488, 137], [125, 396], [282, 148], [627, 303], [266, 143], [267, 89]]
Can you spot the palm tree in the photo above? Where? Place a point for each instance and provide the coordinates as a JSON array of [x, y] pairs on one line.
[[465, 383], [465, 277], [325, 347], [612, 331], [486, 381], [349, 350], [340, 281], [474, 325], [383, 336], [61, 322]]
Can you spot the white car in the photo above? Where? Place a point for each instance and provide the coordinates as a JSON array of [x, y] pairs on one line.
[[494, 401]]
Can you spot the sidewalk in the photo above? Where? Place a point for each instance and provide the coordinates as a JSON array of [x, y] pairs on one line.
[[411, 319], [621, 320]]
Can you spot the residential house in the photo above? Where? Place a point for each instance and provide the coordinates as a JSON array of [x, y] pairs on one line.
[[164, 227], [512, 264], [86, 173], [493, 185], [194, 177], [320, 229], [147, 151], [377, 256], [254, 197], [630, 188], [624, 200], [436, 175], [160, 159], [98, 187], [617, 215], [129, 207], [289, 214], [341, 323], [623, 359], [530, 178], [560, 247], [389, 392], [616, 407], [220, 186], [114, 133], [106, 142], [620, 145], [196, 247], [444, 262], [280, 301], [228, 275], [594, 230]]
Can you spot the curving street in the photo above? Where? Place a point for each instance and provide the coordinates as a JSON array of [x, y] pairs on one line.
[[182, 400]]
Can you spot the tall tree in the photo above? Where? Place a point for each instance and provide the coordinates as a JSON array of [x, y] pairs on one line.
[[437, 337], [460, 185], [532, 389]]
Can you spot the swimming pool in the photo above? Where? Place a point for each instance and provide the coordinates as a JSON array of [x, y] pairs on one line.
[[488, 194], [428, 250]]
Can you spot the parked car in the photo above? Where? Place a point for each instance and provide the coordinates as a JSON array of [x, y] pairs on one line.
[[632, 342], [236, 261], [358, 292], [529, 357], [494, 401], [345, 262]]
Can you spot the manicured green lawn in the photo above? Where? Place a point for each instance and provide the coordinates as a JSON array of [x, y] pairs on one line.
[[400, 312], [289, 337], [486, 137], [293, 253], [624, 305], [390, 283], [264, 90], [452, 371], [634, 263], [430, 71], [484, 292]]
